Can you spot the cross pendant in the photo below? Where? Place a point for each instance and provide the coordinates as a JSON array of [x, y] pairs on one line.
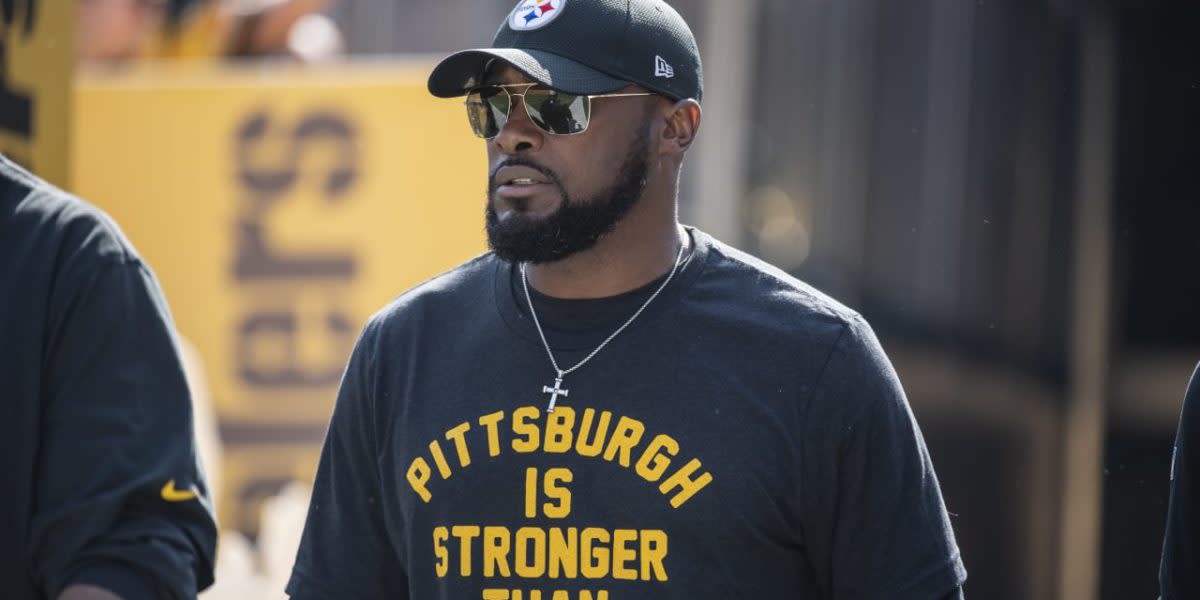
[[554, 392]]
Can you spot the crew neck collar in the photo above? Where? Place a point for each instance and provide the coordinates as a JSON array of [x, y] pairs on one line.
[[510, 301]]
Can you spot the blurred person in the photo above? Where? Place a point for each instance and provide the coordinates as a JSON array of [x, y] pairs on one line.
[[116, 30], [295, 28], [207, 29], [104, 497], [609, 404], [1179, 574], [195, 29]]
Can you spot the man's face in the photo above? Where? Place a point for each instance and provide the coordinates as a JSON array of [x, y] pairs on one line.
[[551, 196]]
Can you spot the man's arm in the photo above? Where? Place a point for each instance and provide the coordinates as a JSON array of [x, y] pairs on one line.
[[345, 551], [121, 503], [872, 507]]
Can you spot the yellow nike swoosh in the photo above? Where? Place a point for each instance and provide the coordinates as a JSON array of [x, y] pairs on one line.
[[170, 494]]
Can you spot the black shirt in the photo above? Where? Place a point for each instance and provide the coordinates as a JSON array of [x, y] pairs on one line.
[[101, 482], [1180, 571], [746, 437]]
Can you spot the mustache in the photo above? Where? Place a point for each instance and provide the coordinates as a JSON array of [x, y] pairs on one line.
[[518, 161]]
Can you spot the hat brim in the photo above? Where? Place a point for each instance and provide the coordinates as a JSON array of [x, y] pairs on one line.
[[461, 71]]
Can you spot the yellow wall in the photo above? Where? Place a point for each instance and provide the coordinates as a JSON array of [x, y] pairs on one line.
[[279, 208]]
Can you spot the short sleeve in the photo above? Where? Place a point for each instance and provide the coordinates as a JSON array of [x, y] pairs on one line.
[[345, 552], [120, 494], [875, 524]]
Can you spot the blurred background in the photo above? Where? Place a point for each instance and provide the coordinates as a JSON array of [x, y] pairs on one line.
[[1004, 188]]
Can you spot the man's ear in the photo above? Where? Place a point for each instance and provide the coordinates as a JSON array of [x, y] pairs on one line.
[[682, 124]]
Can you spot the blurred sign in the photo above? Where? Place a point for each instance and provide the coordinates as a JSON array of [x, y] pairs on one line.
[[280, 208], [36, 57]]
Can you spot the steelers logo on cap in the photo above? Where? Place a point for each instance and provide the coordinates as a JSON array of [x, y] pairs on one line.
[[535, 14]]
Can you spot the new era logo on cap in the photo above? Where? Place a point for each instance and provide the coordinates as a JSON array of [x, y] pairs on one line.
[[662, 68], [535, 14]]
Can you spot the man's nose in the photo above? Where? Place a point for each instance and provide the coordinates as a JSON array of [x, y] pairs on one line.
[[519, 133]]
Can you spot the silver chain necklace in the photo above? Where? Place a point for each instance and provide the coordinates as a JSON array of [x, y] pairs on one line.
[[558, 389]]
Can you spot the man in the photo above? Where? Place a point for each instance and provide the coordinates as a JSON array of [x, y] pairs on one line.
[[1179, 574], [609, 405], [104, 499]]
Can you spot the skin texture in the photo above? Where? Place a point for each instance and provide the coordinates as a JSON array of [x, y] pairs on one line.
[[87, 592], [644, 243]]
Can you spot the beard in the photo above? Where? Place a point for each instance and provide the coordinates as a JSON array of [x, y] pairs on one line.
[[574, 226]]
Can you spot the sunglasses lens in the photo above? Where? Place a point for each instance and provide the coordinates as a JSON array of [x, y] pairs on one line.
[[487, 110], [557, 112]]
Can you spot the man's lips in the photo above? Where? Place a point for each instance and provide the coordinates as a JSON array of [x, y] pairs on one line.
[[519, 181], [519, 176], [521, 190]]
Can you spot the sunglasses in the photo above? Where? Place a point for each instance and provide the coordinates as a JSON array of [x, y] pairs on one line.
[[555, 112]]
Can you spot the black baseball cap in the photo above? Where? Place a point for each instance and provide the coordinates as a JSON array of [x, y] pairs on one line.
[[585, 47]]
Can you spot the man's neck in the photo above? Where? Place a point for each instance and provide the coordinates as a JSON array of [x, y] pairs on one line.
[[623, 260]]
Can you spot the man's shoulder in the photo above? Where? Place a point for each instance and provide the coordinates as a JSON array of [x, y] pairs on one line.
[[460, 289], [35, 213], [763, 287]]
